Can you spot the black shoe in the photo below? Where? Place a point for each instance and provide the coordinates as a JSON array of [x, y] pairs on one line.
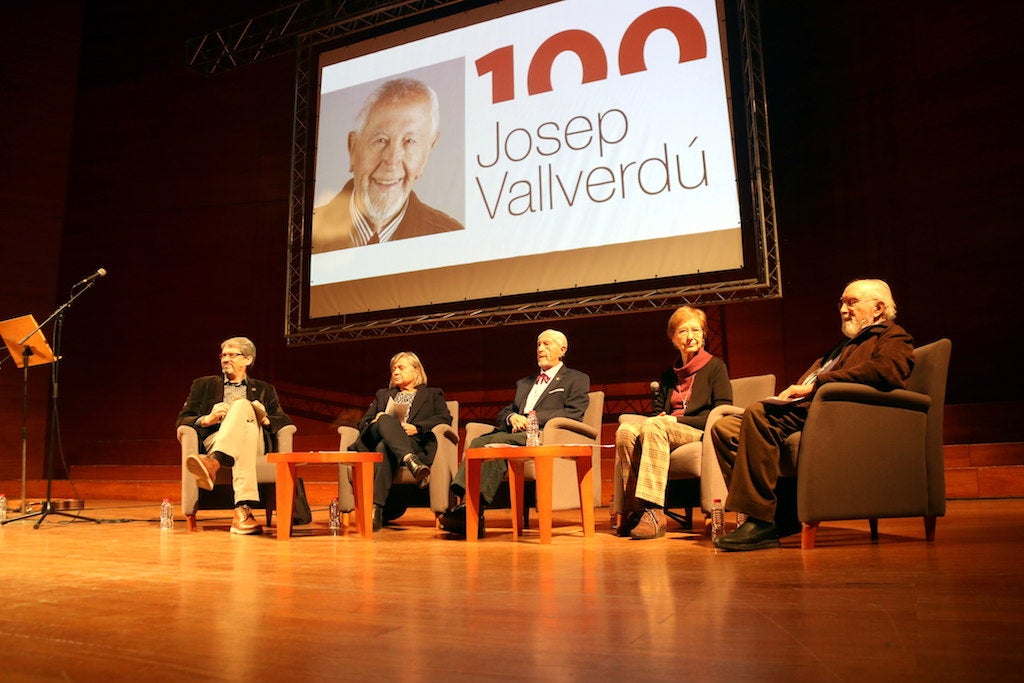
[[419, 471], [753, 535], [378, 518], [629, 522], [453, 520]]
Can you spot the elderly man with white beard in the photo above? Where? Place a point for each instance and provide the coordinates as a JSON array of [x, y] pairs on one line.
[[395, 131], [876, 351]]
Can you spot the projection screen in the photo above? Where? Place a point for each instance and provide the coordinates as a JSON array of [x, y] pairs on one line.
[[579, 151]]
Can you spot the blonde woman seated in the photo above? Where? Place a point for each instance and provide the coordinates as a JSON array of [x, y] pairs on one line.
[[691, 388], [398, 424]]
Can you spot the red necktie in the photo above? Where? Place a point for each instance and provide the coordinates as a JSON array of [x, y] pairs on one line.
[[542, 379]]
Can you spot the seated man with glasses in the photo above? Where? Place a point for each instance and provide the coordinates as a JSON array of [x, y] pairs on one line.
[[876, 352], [237, 418]]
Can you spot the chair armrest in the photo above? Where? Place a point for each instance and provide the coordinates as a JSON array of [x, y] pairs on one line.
[[284, 438], [444, 467], [712, 481], [189, 440], [476, 429], [719, 412], [347, 437], [444, 431], [562, 430], [862, 393]]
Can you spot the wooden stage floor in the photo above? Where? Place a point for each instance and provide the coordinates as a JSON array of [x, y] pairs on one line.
[[124, 601]]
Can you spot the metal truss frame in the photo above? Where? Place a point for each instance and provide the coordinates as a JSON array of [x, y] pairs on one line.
[[308, 21], [302, 26]]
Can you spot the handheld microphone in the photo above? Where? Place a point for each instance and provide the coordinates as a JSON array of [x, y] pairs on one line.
[[657, 402], [98, 274]]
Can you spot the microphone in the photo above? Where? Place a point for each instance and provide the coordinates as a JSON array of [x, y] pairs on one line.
[[98, 274], [657, 402]]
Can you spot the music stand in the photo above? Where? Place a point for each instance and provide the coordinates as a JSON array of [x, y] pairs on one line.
[[52, 356], [27, 346]]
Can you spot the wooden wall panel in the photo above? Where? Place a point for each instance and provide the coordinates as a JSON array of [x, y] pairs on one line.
[[38, 70], [894, 156]]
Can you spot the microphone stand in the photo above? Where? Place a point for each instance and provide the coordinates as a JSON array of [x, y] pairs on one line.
[[58, 327]]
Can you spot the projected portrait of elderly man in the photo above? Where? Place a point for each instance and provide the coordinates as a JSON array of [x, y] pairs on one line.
[[395, 132]]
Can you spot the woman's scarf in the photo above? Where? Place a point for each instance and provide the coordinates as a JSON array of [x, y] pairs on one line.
[[684, 380]]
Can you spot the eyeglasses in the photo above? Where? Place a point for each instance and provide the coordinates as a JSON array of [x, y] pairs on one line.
[[692, 332], [852, 301], [230, 356]]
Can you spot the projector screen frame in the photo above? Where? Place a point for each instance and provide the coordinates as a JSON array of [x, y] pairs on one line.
[[759, 278]]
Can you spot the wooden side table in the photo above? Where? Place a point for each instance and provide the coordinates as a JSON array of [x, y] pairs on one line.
[[543, 459], [362, 464]]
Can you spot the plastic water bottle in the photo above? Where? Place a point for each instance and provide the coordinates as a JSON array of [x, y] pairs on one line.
[[166, 514], [334, 516], [3, 507], [532, 430], [717, 518], [741, 518]]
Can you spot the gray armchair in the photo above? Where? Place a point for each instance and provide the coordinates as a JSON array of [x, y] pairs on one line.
[[693, 460], [442, 471], [562, 430], [866, 454], [222, 496]]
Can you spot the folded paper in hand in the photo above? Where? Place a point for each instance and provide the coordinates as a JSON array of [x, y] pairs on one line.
[[397, 410], [260, 411], [776, 401]]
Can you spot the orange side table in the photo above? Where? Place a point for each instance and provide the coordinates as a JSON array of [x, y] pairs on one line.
[[543, 459], [363, 489]]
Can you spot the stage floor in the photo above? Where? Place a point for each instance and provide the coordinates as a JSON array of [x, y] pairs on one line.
[[123, 600]]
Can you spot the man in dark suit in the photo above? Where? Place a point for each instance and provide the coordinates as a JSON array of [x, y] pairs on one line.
[[396, 129], [555, 391], [237, 419]]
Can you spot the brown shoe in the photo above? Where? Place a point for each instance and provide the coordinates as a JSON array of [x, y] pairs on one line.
[[651, 525], [204, 469], [244, 522]]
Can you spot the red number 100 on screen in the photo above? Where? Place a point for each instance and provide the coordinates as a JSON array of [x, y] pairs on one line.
[[500, 63]]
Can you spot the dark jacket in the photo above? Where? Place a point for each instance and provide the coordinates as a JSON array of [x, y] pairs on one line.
[[208, 391], [711, 387], [564, 396], [428, 410], [881, 356]]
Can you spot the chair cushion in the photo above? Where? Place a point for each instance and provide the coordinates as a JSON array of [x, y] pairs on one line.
[[684, 462]]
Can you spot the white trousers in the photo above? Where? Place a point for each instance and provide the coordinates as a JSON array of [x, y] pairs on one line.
[[241, 437]]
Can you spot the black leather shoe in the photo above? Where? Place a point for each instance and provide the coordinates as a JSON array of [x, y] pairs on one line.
[[753, 535], [378, 518], [453, 520], [419, 471]]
